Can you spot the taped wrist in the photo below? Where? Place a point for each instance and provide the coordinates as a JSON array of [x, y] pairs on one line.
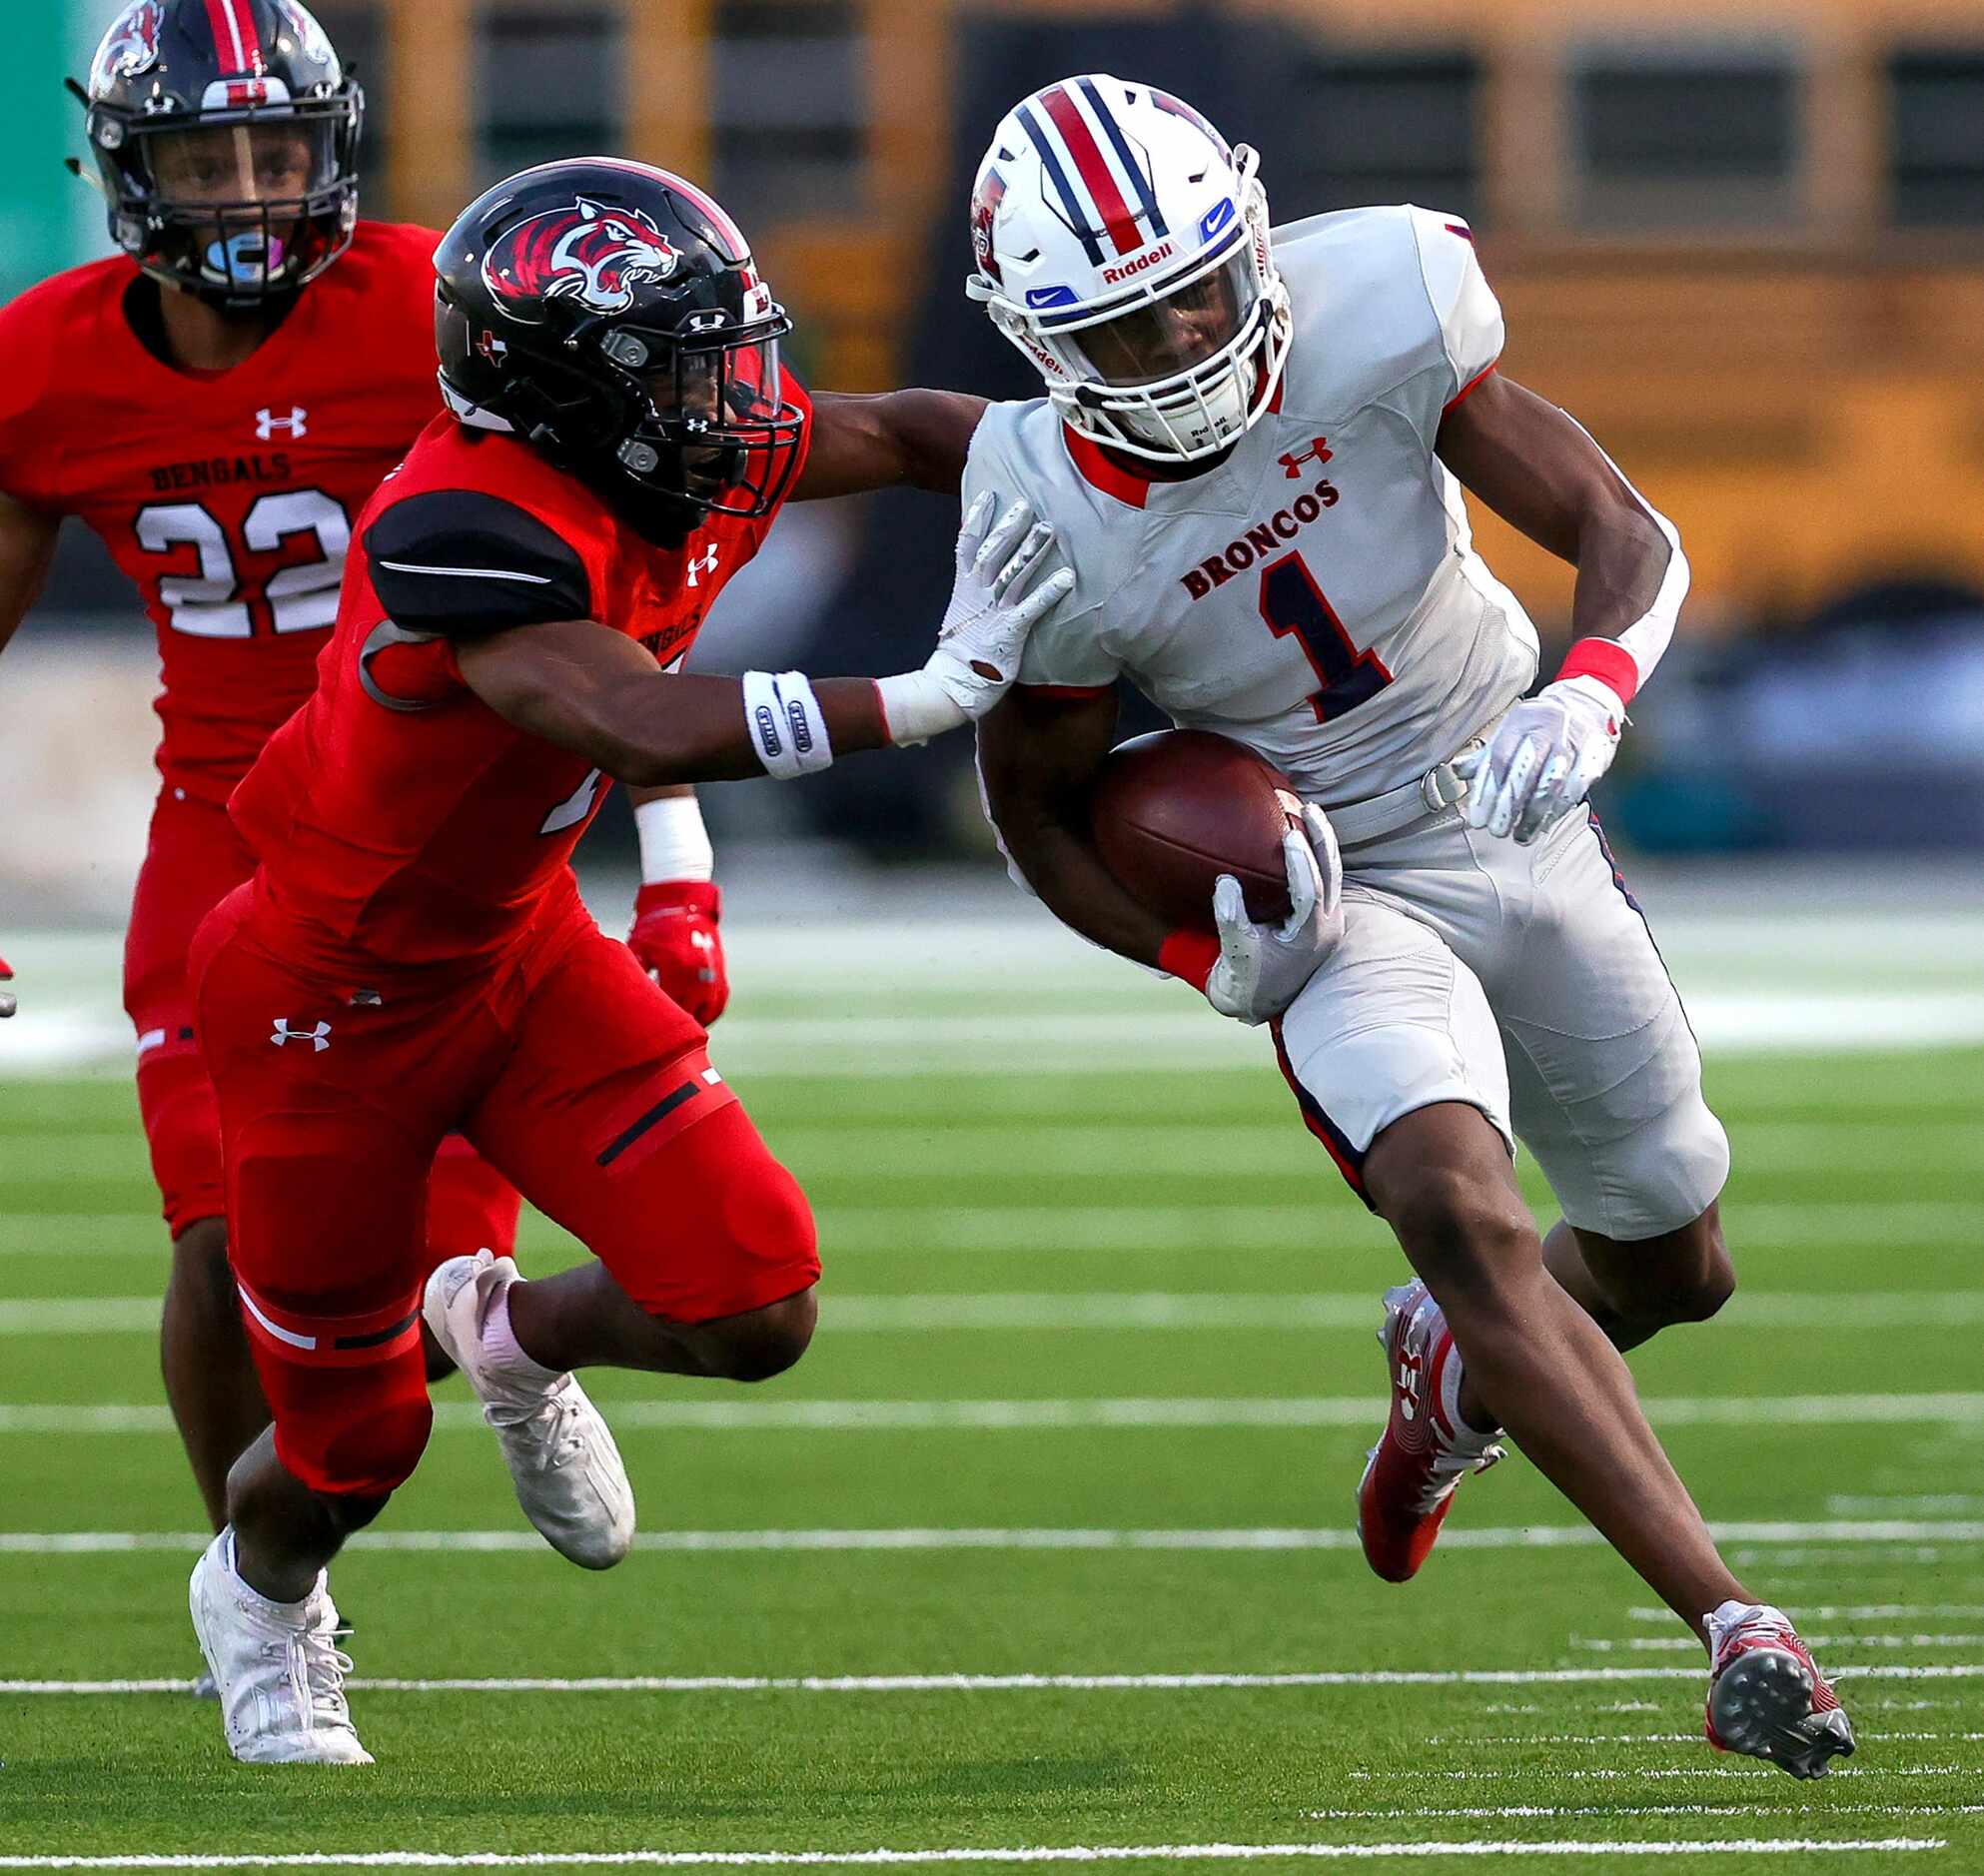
[[674, 844], [786, 727], [916, 706]]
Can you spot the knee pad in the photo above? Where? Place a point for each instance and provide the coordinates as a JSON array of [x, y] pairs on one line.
[[354, 1431], [722, 1229], [348, 1394]]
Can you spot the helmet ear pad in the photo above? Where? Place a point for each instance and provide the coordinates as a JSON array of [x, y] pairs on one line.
[[564, 412]]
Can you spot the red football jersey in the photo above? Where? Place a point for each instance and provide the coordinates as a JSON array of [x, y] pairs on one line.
[[400, 822], [227, 496]]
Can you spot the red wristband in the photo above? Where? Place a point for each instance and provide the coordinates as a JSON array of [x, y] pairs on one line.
[[1606, 660], [1189, 955]]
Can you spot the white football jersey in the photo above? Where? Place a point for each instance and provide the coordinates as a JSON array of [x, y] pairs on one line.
[[1317, 595]]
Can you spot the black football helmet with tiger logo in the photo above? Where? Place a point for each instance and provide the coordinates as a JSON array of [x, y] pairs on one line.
[[225, 136], [610, 314]]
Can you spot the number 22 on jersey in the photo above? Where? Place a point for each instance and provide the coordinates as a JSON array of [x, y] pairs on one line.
[[217, 602], [1292, 601]]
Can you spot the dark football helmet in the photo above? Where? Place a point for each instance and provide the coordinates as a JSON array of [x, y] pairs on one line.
[[610, 314], [226, 134]]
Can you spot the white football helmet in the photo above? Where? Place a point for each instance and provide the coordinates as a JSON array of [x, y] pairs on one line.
[[1123, 246]]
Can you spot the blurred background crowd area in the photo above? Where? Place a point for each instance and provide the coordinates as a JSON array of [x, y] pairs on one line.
[[1742, 243]]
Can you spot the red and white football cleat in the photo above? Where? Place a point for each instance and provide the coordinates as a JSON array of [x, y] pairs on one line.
[[1426, 1448], [1766, 1696]]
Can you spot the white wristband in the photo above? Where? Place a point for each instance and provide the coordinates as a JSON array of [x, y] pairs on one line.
[[915, 707], [674, 844], [786, 727]]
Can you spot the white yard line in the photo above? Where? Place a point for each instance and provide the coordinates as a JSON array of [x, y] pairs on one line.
[[1036, 1041], [1056, 1853], [1629, 1775], [1857, 1611], [995, 1538], [921, 1313], [1049, 1683], [1678, 1644], [857, 1417], [1056, 1230], [1386, 1813], [1890, 1504], [1469, 1740]]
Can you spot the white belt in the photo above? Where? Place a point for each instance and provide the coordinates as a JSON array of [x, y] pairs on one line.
[[1437, 788]]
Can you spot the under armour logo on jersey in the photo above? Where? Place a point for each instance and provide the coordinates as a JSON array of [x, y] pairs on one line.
[[1292, 461], [267, 423], [703, 564], [318, 1038]]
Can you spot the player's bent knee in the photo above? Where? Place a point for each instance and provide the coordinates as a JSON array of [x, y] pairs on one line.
[[1452, 1223], [1710, 1277], [762, 1343]]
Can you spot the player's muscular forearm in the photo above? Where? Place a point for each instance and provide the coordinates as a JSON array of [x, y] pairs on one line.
[[1538, 469], [1040, 755], [27, 545], [600, 695], [916, 439]]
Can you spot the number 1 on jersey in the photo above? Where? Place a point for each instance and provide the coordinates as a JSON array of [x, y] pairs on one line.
[[1291, 601]]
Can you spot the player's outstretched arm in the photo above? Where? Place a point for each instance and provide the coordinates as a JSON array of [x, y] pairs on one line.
[[1040, 752], [27, 545], [895, 439], [599, 694], [1540, 469]]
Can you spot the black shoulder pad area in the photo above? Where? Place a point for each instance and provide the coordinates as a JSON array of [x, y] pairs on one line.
[[460, 565]]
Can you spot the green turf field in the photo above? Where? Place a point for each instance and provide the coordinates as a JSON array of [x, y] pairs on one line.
[[1048, 1541]]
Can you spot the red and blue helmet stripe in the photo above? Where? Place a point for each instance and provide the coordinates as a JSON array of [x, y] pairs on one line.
[[1092, 190]]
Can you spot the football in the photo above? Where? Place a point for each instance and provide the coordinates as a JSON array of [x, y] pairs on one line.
[[1173, 810]]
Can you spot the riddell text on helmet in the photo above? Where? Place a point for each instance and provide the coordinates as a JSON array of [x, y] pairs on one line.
[[1261, 539]]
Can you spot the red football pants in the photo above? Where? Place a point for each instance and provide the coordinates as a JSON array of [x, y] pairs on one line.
[[566, 1068], [194, 860]]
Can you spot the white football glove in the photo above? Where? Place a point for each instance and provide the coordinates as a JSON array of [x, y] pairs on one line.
[[1540, 760], [1262, 968], [985, 627]]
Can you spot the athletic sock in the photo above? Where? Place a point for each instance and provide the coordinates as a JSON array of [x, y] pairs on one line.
[[1468, 1438], [504, 1352]]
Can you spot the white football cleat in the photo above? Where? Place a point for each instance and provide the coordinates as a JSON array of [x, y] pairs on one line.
[[276, 1666], [563, 1460]]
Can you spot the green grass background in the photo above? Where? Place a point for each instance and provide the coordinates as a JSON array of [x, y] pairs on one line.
[[1854, 1175]]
